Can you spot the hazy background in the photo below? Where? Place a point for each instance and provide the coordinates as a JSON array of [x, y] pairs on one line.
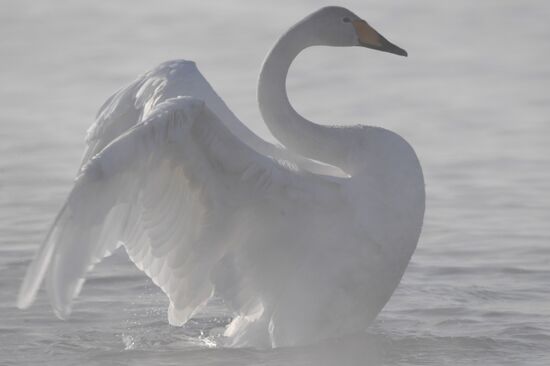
[[472, 98]]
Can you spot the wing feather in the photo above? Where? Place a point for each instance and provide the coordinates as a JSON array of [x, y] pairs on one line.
[[171, 190], [133, 104]]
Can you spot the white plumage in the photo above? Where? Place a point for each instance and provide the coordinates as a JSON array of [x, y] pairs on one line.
[[297, 249]]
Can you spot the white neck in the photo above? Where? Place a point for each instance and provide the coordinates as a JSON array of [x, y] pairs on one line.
[[323, 143]]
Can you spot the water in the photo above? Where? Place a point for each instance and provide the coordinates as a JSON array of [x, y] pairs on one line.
[[472, 98]]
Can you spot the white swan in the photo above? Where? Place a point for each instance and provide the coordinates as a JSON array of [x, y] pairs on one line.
[[299, 251]]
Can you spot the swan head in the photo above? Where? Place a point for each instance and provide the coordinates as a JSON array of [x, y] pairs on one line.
[[339, 27]]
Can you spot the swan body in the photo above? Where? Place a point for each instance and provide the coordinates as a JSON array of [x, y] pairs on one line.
[[303, 243]]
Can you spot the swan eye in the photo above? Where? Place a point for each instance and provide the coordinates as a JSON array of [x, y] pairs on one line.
[[346, 20]]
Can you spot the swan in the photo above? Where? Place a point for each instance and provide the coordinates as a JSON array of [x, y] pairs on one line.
[[303, 242]]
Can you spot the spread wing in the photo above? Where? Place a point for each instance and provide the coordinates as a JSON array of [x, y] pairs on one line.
[[133, 104], [173, 190]]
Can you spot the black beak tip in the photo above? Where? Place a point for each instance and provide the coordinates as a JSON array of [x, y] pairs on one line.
[[387, 46]]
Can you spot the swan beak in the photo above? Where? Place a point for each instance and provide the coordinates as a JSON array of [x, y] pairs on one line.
[[370, 38]]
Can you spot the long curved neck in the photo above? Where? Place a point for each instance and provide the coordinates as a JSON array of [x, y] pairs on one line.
[[323, 143]]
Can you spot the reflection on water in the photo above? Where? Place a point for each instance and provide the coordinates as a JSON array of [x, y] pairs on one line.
[[471, 98]]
